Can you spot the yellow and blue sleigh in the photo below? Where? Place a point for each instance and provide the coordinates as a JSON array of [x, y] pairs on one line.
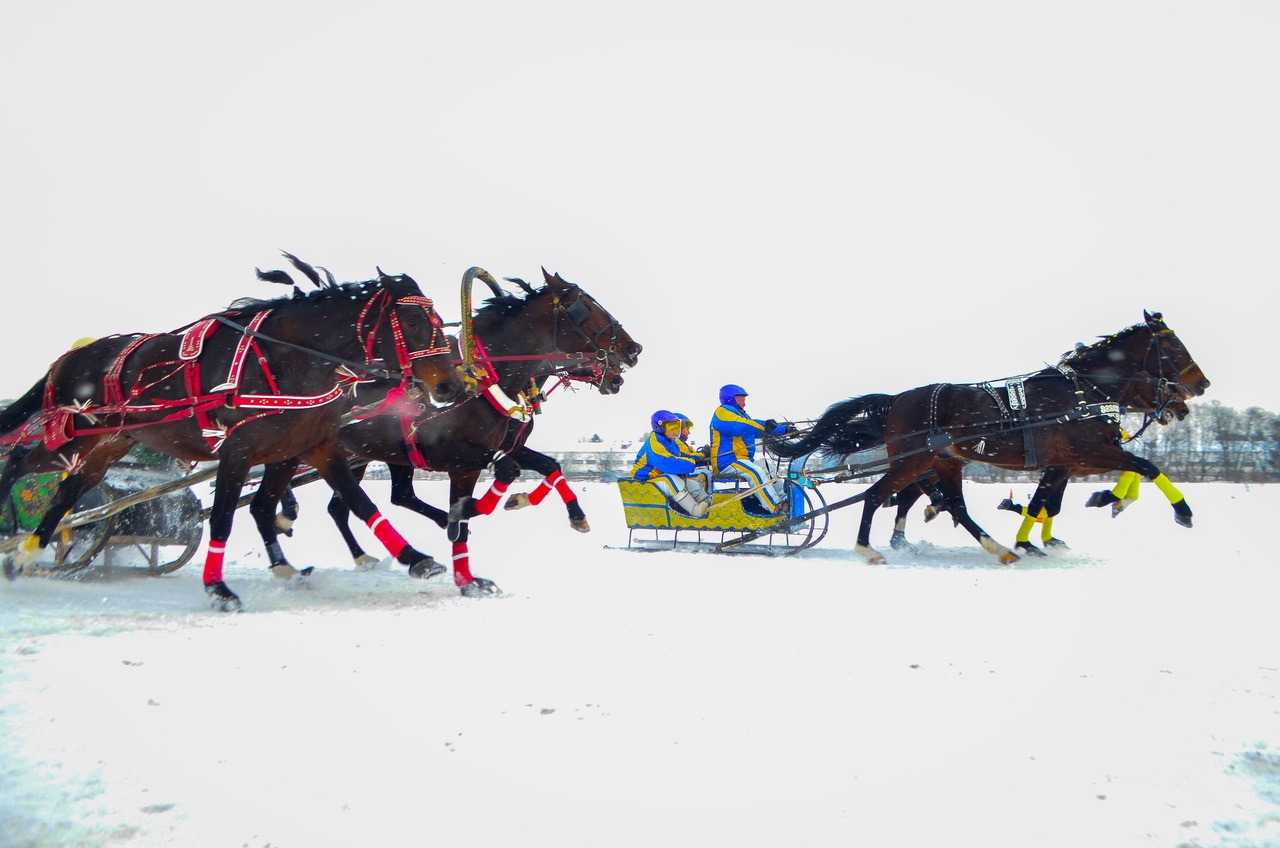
[[655, 524]]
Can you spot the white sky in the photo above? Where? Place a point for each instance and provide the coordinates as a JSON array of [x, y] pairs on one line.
[[814, 200]]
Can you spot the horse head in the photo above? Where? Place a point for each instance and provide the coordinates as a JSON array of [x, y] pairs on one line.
[[417, 341], [582, 325], [1145, 366], [1173, 364]]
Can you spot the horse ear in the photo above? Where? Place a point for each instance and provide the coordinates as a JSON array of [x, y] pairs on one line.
[[1153, 318], [379, 270], [545, 276]]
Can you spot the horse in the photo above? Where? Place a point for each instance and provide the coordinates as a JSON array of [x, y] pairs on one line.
[[1066, 416], [520, 343], [1049, 491], [262, 382]]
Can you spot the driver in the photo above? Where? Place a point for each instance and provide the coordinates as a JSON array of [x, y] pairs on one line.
[[733, 446]]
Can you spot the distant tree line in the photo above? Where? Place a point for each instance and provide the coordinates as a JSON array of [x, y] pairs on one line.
[[1216, 442]]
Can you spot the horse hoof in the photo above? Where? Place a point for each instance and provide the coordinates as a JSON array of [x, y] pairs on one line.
[[1182, 513], [479, 588], [1027, 548], [1183, 520], [1057, 544], [222, 598], [10, 570], [1009, 558], [1008, 505], [366, 562], [28, 552], [898, 541], [1103, 498], [580, 525], [284, 525], [425, 569], [870, 555], [930, 513], [307, 572], [284, 571], [517, 501]]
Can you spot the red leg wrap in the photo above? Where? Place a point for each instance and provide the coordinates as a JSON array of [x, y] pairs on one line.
[[490, 500], [544, 488], [461, 564], [213, 562], [387, 535], [562, 486]]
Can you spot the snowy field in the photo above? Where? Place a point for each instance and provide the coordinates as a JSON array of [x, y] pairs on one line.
[[1122, 694]]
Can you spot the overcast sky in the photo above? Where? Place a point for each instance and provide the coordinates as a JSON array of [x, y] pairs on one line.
[[814, 200]]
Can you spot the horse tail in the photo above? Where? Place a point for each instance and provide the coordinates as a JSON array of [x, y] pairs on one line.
[[20, 411], [852, 425]]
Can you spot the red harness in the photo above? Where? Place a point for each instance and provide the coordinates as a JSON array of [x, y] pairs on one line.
[[54, 424]]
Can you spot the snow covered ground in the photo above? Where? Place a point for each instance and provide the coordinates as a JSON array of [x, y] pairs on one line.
[[1124, 693]]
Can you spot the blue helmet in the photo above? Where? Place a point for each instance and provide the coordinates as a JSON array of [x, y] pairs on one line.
[[730, 392], [660, 419]]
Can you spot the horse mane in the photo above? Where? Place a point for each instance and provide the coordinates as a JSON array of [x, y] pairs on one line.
[[253, 305], [1089, 354]]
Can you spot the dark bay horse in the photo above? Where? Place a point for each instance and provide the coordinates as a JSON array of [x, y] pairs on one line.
[[1049, 491], [1062, 417], [261, 383], [557, 330]]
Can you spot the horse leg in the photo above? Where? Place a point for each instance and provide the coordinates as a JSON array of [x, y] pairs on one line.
[[552, 478], [233, 471], [1053, 506], [461, 485], [88, 460], [1121, 495], [341, 517], [1052, 483], [402, 494], [1129, 462], [950, 479], [904, 500], [331, 463], [276, 478], [288, 512], [876, 495], [464, 507]]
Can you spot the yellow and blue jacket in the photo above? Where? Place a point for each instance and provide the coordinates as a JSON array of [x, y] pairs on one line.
[[660, 455], [734, 434]]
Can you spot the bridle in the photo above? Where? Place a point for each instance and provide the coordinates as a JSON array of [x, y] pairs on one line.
[[575, 314], [1166, 390], [386, 309]]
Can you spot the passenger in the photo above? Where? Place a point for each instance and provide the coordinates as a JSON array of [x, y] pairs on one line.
[[733, 446], [699, 481], [667, 462]]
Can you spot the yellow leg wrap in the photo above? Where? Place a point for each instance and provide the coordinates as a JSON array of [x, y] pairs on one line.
[[1024, 532], [1046, 529], [1170, 491], [1126, 487], [1040, 517]]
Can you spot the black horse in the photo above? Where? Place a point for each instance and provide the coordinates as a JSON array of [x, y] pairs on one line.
[[1067, 417], [557, 330], [261, 383]]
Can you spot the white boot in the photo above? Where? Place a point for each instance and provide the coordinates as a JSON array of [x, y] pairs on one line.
[[691, 505]]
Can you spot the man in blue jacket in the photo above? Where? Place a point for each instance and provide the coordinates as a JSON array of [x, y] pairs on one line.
[[733, 445], [667, 462]]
